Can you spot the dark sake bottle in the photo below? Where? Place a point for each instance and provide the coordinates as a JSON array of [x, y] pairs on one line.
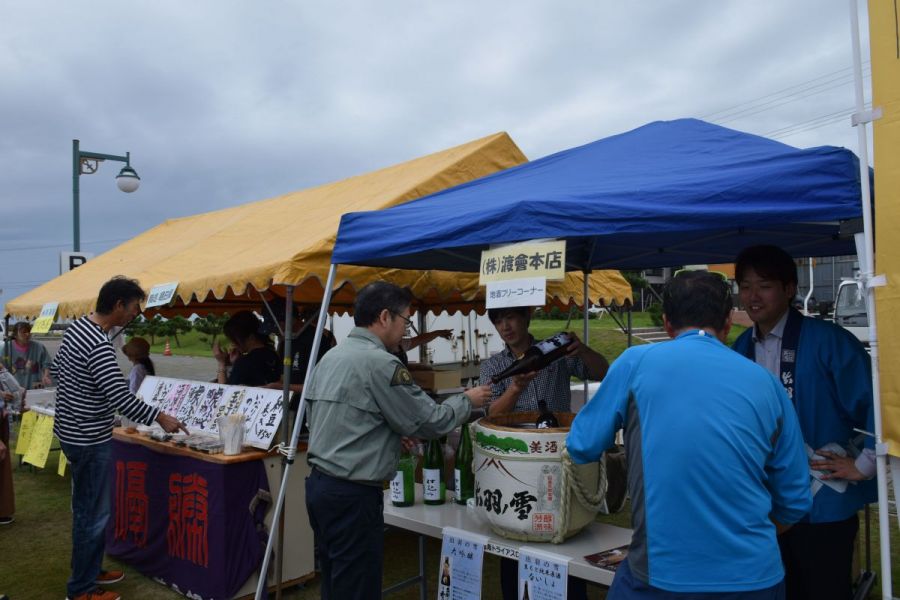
[[546, 419], [463, 476], [538, 356], [435, 488]]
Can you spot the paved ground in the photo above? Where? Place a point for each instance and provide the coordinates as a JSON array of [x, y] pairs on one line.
[[180, 367]]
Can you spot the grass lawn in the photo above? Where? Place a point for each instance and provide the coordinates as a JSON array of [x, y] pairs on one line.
[[192, 343]]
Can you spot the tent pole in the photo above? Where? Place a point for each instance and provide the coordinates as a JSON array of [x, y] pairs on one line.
[[860, 119], [291, 448], [586, 334], [288, 337]]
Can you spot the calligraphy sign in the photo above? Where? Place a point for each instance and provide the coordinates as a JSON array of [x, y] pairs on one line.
[[518, 261]]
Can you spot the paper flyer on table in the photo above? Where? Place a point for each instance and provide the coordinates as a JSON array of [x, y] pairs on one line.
[[462, 557], [542, 574]]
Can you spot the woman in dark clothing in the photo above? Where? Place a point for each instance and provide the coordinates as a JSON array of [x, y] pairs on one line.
[[258, 363]]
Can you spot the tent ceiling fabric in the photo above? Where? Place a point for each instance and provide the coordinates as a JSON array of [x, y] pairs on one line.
[[434, 290], [665, 194], [222, 258]]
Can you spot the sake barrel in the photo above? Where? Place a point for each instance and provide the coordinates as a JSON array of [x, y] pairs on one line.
[[524, 484]]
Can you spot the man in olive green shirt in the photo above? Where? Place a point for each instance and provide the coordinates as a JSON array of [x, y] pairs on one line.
[[361, 401]]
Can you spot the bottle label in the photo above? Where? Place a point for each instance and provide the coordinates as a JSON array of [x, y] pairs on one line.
[[431, 481], [552, 343], [397, 487], [457, 480]]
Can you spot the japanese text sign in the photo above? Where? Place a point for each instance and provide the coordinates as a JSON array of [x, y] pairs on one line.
[[516, 292], [529, 259], [543, 574], [462, 556], [161, 294], [45, 320]]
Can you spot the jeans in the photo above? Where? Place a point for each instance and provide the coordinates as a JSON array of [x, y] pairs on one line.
[[90, 512], [626, 586], [348, 522]]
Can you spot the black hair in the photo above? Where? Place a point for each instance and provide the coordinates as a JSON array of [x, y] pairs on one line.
[[697, 299], [20, 325], [118, 289], [494, 314], [245, 325], [769, 262], [376, 297]]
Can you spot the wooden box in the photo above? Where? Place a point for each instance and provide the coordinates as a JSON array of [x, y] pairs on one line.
[[436, 378]]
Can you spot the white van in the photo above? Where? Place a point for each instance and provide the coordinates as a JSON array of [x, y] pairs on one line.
[[850, 309]]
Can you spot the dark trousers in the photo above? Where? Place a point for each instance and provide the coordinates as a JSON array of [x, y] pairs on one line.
[[348, 522], [90, 512], [626, 586], [818, 558], [576, 589]]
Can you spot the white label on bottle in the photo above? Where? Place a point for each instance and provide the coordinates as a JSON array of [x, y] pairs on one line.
[[431, 481], [397, 487], [457, 480]]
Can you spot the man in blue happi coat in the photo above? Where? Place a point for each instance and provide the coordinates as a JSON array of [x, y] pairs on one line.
[[827, 374]]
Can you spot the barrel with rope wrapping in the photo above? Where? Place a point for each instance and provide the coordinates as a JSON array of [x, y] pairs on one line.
[[529, 489]]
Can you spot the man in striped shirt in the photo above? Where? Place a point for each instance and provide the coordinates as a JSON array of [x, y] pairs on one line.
[[91, 388]]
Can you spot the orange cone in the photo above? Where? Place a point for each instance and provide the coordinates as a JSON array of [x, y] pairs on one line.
[[168, 349]]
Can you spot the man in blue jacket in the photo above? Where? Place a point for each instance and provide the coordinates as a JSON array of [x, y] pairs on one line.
[[715, 455], [827, 374]]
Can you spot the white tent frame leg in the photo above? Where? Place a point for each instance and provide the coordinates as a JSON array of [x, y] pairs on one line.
[[860, 119], [291, 450]]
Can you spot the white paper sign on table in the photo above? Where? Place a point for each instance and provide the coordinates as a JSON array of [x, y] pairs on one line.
[[462, 557], [544, 574]]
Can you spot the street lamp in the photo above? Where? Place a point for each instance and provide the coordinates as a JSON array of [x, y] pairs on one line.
[[86, 163]]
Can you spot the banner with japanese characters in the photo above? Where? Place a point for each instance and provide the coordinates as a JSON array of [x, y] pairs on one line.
[[531, 291], [462, 557], [45, 319], [199, 404], [542, 575], [161, 294], [519, 261]]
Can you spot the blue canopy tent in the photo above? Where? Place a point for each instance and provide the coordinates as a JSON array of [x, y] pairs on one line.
[[668, 193]]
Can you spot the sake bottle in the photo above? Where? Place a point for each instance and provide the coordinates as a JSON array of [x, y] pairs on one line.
[[403, 484], [433, 474], [464, 479], [538, 356], [546, 419]]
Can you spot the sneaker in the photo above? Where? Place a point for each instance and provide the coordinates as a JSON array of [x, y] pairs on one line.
[[6, 520], [107, 577], [97, 594]]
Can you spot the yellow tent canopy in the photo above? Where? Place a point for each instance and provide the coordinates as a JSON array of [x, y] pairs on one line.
[[223, 260]]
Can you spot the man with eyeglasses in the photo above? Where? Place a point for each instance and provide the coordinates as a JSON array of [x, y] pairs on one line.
[[827, 374], [361, 401]]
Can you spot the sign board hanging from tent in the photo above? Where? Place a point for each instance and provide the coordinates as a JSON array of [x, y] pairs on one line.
[[45, 320], [528, 259]]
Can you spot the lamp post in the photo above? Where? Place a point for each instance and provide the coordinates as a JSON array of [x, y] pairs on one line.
[[86, 163]]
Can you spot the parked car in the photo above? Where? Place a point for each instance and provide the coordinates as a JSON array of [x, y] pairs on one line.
[[850, 309]]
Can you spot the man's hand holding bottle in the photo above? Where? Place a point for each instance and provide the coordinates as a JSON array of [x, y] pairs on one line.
[[478, 395]]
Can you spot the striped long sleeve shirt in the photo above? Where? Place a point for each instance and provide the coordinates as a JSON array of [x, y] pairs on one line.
[[91, 387]]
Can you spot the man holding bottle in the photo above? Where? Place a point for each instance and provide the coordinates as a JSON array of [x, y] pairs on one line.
[[361, 400], [524, 392]]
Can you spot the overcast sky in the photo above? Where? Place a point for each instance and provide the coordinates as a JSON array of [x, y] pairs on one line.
[[225, 102]]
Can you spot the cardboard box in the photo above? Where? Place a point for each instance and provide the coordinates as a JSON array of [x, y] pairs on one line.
[[436, 378]]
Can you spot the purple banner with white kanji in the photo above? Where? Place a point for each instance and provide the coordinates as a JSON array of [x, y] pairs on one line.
[[192, 524]]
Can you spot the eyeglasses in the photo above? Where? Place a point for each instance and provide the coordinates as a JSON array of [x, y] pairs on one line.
[[409, 323]]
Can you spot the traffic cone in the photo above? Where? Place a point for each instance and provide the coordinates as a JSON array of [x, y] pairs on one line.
[[168, 350]]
